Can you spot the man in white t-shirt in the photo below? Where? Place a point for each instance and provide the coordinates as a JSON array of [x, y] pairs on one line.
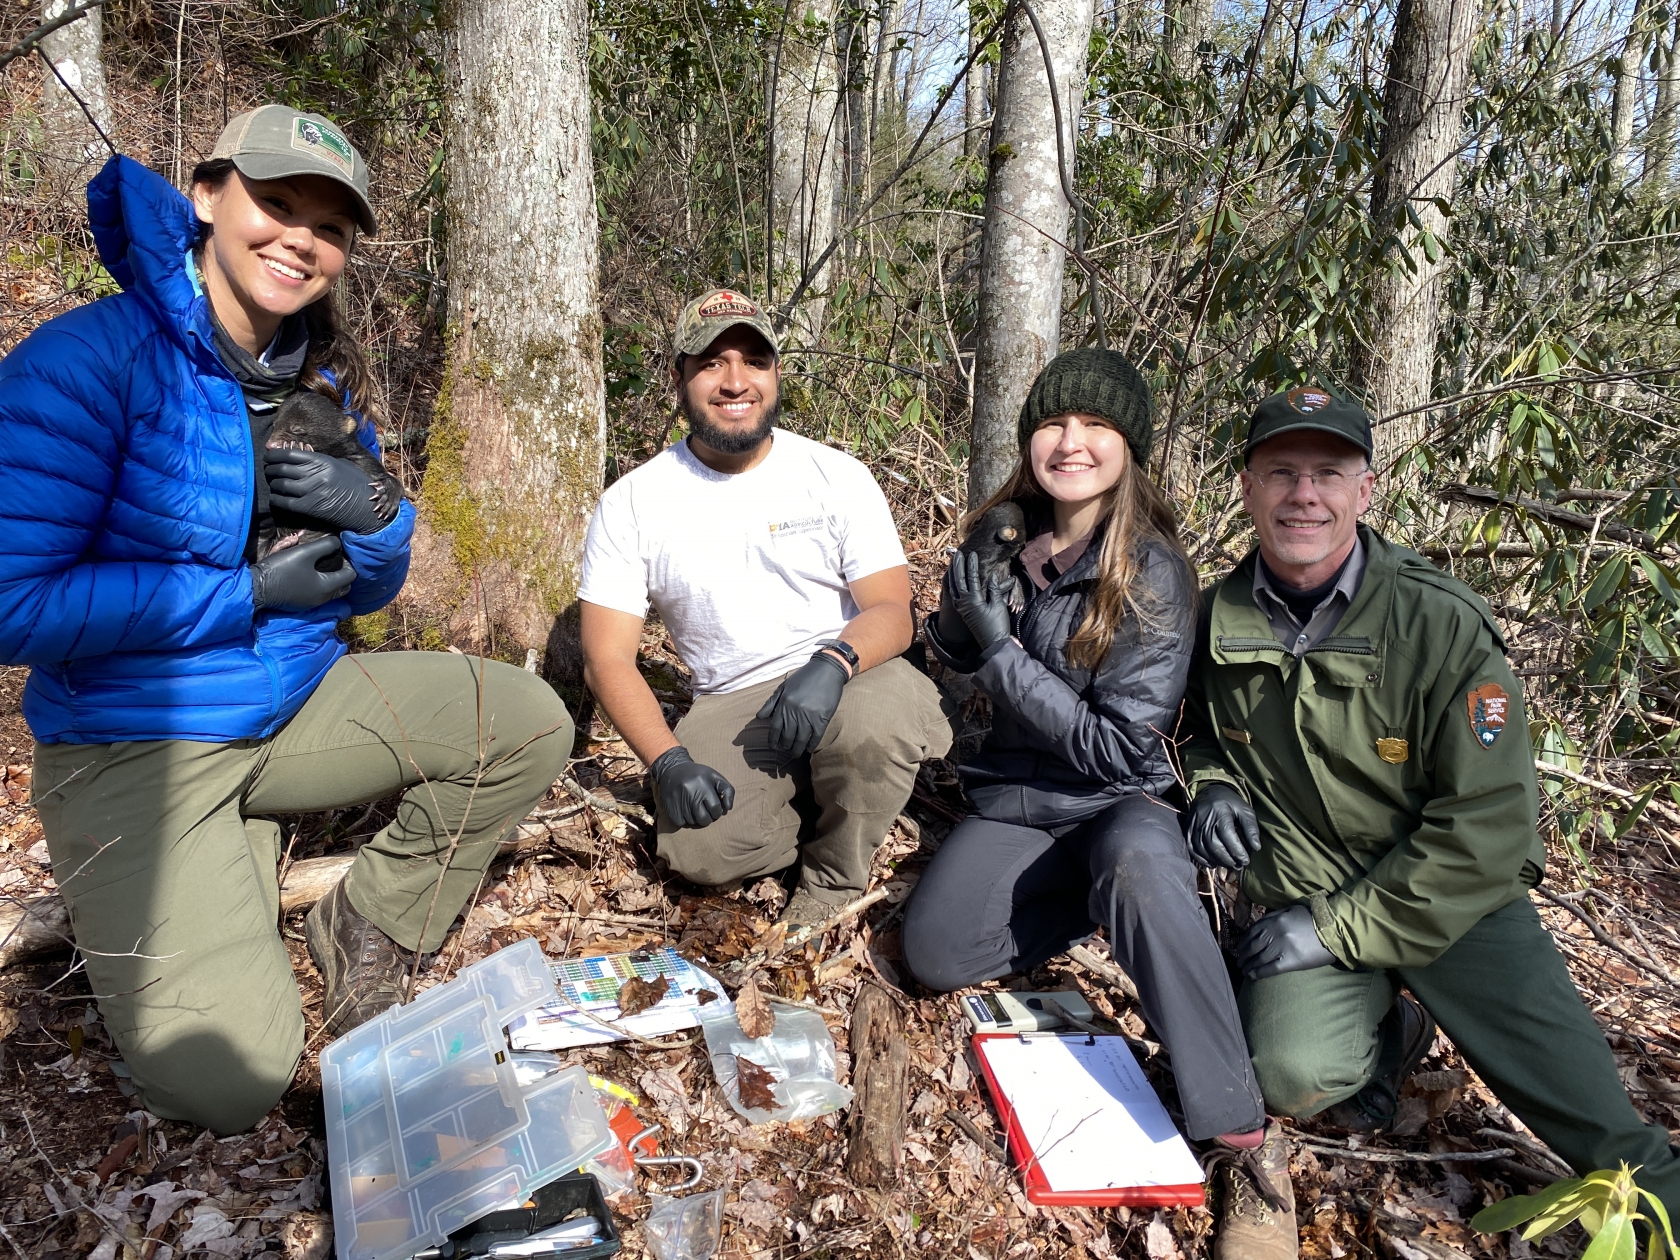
[[774, 563]]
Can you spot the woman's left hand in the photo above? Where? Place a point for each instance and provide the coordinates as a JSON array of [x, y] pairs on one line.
[[323, 488], [982, 599]]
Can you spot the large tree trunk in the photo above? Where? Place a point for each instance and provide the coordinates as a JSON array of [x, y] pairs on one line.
[[1423, 110], [1659, 141], [72, 147], [515, 452], [1024, 237], [1625, 100], [805, 156]]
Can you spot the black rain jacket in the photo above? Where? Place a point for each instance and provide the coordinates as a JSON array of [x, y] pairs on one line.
[[1067, 742]]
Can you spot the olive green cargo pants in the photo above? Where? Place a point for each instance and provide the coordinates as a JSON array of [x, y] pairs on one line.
[[840, 799], [170, 872], [1504, 996]]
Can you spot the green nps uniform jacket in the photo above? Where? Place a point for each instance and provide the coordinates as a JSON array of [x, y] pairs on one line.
[[1390, 765]]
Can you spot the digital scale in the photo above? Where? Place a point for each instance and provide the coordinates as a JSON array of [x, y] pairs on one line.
[[1008, 1012]]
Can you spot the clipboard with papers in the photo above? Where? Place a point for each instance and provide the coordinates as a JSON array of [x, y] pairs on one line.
[[1084, 1125]]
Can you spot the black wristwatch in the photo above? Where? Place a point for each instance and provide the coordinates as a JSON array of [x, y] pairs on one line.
[[845, 651]]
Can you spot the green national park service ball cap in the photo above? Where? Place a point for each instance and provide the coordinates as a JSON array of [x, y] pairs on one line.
[[710, 315], [1308, 407], [278, 142]]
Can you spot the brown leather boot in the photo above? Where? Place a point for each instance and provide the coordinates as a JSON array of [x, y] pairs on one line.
[[363, 971], [1257, 1200]]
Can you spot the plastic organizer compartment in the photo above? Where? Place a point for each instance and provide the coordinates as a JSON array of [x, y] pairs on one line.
[[548, 1206], [428, 1128]]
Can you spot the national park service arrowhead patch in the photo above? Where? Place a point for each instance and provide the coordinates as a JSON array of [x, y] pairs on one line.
[[1489, 705], [1307, 399]]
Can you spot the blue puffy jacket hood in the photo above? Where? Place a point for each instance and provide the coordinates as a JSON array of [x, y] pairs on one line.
[[125, 500]]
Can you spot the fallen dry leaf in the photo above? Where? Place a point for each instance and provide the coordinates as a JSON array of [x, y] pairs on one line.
[[703, 996], [754, 1083], [635, 995], [753, 1013]]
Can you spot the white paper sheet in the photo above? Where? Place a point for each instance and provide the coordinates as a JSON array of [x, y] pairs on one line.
[[1088, 1112], [593, 984]]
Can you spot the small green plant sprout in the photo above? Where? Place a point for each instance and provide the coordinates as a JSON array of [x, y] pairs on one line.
[[1607, 1205]]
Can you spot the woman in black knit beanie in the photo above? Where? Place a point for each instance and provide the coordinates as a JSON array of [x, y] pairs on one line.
[[1083, 642]]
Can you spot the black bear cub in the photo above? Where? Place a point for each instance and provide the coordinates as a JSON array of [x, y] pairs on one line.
[[313, 422]]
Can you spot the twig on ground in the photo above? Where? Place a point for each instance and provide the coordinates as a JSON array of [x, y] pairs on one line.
[[623, 809], [743, 967], [1104, 969], [1532, 1147], [974, 1134], [1604, 938], [1404, 1157]]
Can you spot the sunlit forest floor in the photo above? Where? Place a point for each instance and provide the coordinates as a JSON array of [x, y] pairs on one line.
[[83, 1172]]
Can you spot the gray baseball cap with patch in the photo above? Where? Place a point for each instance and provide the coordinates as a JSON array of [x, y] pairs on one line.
[[712, 314], [278, 142]]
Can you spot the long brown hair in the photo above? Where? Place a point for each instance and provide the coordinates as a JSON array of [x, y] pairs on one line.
[[1134, 511], [331, 348]]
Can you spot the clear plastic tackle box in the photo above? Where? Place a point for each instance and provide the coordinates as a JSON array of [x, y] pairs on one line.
[[427, 1126]]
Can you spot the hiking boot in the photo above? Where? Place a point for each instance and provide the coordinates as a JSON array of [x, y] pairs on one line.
[[807, 908], [363, 971], [1256, 1200], [1406, 1034]]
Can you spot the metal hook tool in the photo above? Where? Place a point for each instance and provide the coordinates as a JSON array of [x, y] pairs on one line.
[[696, 1170]]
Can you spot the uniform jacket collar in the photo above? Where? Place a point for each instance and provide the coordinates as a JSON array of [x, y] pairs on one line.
[[1353, 656]]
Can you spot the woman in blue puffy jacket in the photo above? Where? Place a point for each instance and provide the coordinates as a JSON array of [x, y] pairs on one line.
[[183, 685]]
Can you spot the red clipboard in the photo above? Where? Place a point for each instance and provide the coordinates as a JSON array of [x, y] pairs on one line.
[[1032, 1175]]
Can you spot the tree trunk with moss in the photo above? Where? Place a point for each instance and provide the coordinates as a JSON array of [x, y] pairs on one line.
[[1023, 241], [71, 145], [515, 455], [1423, 121]]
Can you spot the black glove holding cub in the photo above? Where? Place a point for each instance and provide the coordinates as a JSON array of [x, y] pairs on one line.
[[689, 794], [1284, 940], [325, 488], [290, 580], [981, 598], [802, 707], [1223, 828]]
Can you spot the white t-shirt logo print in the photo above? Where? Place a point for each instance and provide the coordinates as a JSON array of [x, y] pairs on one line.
[[747, 571]]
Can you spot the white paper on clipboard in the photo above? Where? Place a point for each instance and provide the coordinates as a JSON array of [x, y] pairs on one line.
[[1089, 1115]]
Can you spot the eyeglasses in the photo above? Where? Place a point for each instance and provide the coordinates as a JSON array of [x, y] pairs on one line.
[[1329, 480]]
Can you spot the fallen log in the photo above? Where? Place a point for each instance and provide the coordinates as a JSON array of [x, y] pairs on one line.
[[39, 925], [881, 1079]]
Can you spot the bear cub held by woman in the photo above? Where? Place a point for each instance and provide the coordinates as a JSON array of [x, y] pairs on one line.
[[308, 421]]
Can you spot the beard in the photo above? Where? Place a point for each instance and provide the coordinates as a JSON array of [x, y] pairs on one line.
[[730, 441]]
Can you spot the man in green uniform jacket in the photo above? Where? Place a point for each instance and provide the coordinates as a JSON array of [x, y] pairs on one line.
[[1358, 749]]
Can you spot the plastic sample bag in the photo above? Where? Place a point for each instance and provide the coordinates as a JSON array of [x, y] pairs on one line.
[[798, 1055], [685, 1229]]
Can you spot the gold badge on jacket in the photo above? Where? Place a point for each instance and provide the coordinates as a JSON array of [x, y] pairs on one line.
[[1393, 751]]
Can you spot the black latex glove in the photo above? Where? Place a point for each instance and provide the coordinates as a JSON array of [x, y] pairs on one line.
[[1283, 941], [289, 580], [1223, 829], [325, 489], [800, 709], [689, 794], [954, 633], [982, 600]]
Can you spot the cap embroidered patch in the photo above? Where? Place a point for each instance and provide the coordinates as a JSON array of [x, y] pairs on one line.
[[1489, 706], [1393, 751], [323, 142], [727, 304], [1308, 399]]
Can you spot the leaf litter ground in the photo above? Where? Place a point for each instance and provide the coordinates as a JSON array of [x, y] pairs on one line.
[[85, 1172]]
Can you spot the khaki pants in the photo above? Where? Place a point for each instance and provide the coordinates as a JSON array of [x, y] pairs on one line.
[[840, 800], [170, 872]]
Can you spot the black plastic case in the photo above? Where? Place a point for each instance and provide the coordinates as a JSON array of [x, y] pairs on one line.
[[553, 1203]]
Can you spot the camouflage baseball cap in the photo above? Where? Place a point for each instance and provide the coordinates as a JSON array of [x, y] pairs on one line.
[[710, 315], [1308, 407], [277, 142]]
